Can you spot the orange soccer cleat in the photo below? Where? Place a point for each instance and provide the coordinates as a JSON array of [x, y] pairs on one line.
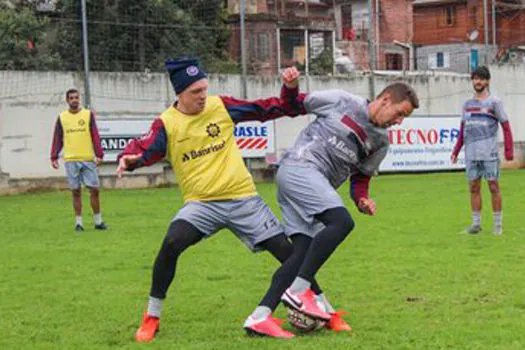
[[337, 323], [148, 329]]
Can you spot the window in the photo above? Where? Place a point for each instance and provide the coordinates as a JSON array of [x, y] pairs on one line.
[[448, 18], [263, 46], [439, 60], [394, 61]]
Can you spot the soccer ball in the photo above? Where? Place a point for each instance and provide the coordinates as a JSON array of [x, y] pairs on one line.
[[302, 322], [305, 323]]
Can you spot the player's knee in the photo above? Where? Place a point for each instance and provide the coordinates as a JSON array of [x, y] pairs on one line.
[[493, 187], [347, 224], [77, 192], [181, 235], [475, 188], [94, 191]]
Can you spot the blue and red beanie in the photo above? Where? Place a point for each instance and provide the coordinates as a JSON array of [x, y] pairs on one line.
[[184, 72]]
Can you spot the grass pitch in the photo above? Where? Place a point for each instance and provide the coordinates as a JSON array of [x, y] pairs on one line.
[[410, 277]]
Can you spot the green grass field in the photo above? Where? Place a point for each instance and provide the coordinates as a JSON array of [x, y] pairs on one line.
[[409, 276]]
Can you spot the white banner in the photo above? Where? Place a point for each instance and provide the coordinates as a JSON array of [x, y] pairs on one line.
[[253, 138], [423, 143]]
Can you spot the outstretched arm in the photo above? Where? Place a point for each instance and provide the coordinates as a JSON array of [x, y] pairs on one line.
[[288, 104], [144, 151]]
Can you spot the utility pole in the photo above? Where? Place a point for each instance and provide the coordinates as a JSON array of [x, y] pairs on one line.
[[87, 97], [371, 51]]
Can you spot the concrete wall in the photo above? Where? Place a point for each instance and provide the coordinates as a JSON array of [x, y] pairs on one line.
[[31, 101], [458, 56]]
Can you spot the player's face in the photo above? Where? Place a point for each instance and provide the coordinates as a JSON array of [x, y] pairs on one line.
[[393, 113], [73, 100], [479, 84], [193, 98]]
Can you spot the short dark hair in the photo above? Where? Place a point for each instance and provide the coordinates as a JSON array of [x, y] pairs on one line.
[[401, 91], [71, 91], [481, 72]]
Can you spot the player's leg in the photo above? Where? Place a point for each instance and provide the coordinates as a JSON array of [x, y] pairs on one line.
[[304, 192], [89, 176], [180, 236], [196, 220], [492, 171], [74, 181], [337, 323], [474, 175], [338, 224]]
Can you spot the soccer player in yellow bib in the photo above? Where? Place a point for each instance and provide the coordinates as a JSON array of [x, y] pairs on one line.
[[196, 136], [77, 133]]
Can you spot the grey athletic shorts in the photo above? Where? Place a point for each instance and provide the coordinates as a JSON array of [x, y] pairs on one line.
[[302, 193], [489, 169], [250, 219], [82, 173]]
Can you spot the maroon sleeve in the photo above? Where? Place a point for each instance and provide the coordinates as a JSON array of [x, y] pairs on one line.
[[509, 143], [152, 146], [95, 137], [58, 140], [289, 104], [459, 143], [359, 184]]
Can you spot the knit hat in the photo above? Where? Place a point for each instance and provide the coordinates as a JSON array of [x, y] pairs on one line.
[[184, 72]]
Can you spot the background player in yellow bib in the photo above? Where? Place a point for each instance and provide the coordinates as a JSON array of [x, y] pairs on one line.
[[76, 132], [196, 136]]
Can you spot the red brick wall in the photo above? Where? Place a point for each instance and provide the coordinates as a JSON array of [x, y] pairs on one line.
[[511, 31], [428, 29]]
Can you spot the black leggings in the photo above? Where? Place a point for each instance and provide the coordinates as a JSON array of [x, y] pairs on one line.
[[338, 224], [181, 235], [291, 256]]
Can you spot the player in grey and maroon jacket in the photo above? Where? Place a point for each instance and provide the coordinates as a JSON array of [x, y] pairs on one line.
[[347, 140], [479, 132]]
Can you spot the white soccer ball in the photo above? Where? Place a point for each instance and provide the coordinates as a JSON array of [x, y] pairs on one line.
[[302, 322], [305, 323]]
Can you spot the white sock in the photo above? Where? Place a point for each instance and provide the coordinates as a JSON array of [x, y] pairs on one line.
[[497, 218], [476, 218], [328, 307], [78, 220], [154, 307], [97, 218], [261, 312], [299, 285]]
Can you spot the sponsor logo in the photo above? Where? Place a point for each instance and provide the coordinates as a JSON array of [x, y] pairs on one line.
[[81, 122], [422, 136], [213, 130], [72, 130], [194, 154], [117, 143], [250, 131], [340, 145]]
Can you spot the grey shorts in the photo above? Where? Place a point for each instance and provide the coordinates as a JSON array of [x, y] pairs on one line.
[[250, 219], [303, 193], [82, 173], [489, 169]]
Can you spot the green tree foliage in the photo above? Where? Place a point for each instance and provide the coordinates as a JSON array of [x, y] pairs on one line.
[[23, 38], [123, 35]]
